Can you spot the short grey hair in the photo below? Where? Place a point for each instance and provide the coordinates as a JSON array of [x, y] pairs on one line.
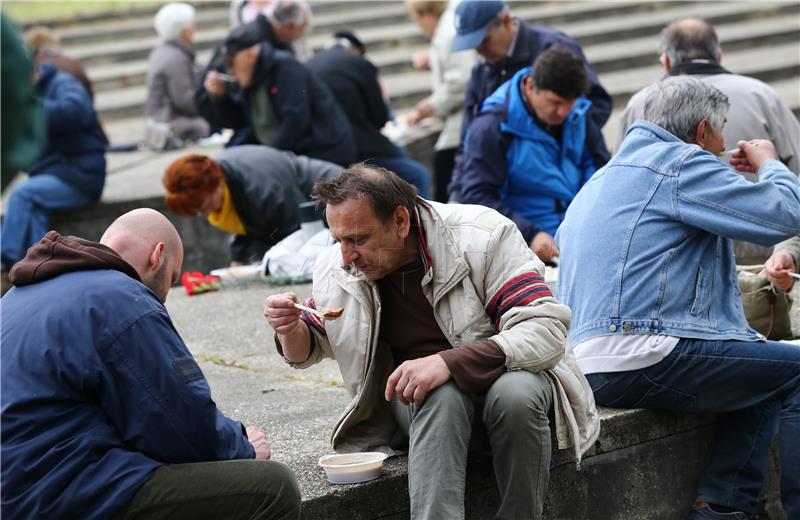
[[292, 11], [171, 19], [678, 103], [690, 39]]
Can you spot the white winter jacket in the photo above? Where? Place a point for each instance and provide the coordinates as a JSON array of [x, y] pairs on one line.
[[483, 282]]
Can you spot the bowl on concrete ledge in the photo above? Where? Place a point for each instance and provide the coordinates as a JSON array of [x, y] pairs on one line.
[[351, 468]]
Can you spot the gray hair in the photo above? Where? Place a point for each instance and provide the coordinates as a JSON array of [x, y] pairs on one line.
[[296, 12], [678, 103], [171, 19], [690, 39]]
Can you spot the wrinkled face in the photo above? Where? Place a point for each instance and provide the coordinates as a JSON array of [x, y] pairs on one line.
[[549, 106], [495, 44], [372, 247], [243, 64]]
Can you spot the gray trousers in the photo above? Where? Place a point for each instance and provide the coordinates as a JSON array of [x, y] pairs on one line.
[[232, 489], [515, 413]]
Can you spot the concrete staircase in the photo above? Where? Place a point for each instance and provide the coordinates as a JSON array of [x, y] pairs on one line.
[[620, 39]]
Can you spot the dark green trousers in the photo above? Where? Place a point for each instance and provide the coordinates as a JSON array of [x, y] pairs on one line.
[[231, 489]]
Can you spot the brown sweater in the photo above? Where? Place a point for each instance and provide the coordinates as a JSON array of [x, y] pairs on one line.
[[409, 327]]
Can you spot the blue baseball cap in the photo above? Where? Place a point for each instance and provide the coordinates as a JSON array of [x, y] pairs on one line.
[[472, 19]]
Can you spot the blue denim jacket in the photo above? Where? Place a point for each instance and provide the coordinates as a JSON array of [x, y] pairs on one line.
[[646, 244]]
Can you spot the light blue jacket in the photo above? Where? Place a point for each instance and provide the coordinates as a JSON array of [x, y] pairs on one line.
[[646, 244]]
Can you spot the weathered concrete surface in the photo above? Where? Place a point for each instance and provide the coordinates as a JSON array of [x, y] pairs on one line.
[[644, 466]]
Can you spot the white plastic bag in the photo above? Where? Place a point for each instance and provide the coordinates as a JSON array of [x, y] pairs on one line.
[[294, 256]]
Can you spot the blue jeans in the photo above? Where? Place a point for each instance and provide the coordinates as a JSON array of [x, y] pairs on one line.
[[27, 216], [756, 384], [411, 171]]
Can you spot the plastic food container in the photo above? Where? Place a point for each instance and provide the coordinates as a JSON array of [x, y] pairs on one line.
[[350, 468]]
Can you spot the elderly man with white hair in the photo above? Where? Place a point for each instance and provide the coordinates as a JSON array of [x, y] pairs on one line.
[[171, 75], [648, 269]]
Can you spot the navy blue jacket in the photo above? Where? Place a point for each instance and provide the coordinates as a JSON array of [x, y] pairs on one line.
[[531, 41], [99, 391], [353, 80], [76, 144]]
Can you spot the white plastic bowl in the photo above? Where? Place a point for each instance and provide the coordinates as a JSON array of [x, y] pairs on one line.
[[350, 468]]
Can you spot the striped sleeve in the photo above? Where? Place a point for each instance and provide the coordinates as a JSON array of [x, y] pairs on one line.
[[312, 320], [519, 291]]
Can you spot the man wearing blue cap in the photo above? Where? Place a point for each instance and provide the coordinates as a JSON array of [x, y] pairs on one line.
[[508, 44]]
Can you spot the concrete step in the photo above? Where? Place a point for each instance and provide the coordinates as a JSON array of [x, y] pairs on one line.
[[327, 16], [131, 27], [604, 57], [377, 35], [144, 11], [644, 24], [325, 21], [617, 20], [323, 25], [141, 10], [747, 34], [406, 88], [778, 62]]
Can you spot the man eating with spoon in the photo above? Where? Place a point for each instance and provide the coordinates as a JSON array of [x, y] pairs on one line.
[[447, 323]]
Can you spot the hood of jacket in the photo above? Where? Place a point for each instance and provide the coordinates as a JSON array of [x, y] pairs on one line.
[[55, 255]]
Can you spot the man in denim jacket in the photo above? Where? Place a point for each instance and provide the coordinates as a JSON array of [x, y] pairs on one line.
[[649, 273]]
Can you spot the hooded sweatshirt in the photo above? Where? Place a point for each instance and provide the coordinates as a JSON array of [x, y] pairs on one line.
[[55, 254], [99, 390]]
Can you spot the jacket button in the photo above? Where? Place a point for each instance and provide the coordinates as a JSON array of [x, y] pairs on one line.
[[613, 328]]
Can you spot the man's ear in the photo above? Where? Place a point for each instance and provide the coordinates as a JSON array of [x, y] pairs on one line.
[[156, 256], [529, 86], [664, 59], [506, 19], [402, 219], [701, 133]]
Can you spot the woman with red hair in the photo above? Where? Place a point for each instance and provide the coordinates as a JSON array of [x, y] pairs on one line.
[[249, 191]]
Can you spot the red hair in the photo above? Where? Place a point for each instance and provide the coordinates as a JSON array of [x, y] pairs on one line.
[[189, 181]]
